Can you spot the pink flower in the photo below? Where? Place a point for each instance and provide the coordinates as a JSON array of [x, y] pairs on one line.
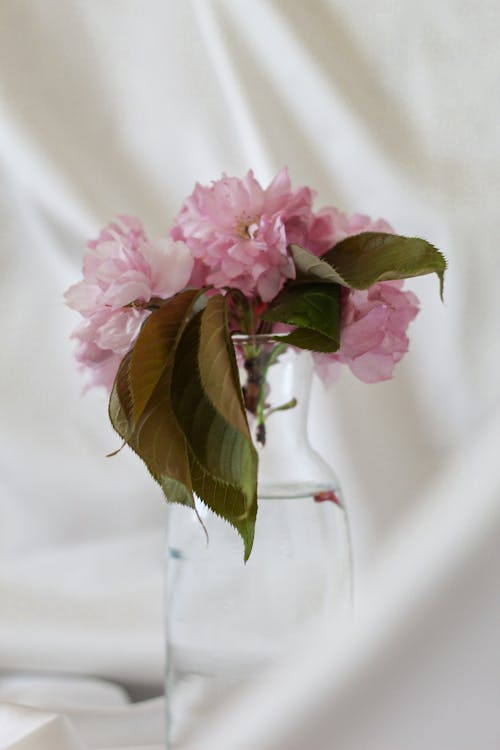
[[374, 321], [238, 232], [372, 332], [122, 266]]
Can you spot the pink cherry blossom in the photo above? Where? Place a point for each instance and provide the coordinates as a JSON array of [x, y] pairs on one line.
[[373, 334], [122, 266], [238, 232]]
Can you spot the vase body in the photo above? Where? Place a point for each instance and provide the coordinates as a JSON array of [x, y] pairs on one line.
[[227, 621]]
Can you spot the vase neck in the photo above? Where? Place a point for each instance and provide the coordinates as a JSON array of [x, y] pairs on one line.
[[276, 383]]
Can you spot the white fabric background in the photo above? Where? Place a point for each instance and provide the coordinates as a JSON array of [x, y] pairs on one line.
[[119, 106]]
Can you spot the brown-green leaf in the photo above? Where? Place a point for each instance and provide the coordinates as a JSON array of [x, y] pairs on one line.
[[140, 405], [207, 401], [217, 365], [155, 344], [120, 401]]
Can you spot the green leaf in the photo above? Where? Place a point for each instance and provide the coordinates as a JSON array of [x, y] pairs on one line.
[[364, 259], [315, 309], [140, 405], [370, 257], [208, 405], [310, 268], [305, 338], [225, 501]]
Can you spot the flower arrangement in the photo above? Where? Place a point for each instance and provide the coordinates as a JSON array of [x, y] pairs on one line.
[[165, 321]]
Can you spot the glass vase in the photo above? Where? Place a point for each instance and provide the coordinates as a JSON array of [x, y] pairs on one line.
[[227, 621]]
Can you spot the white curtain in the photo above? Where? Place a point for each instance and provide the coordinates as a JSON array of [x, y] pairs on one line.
[[390, 109]]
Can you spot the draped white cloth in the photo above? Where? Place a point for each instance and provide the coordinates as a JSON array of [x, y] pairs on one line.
[[390, 109]]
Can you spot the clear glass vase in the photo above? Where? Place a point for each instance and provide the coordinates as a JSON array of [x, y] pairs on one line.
[[227, 621]]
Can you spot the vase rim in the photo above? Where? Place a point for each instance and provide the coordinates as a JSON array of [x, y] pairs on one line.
[[260, 338]]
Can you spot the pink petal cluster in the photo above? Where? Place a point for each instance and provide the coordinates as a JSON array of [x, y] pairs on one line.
[[238, 232], [372, 333], [122, 266], [329, 226]]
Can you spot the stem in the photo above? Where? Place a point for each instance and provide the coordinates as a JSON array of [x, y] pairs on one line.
[[256, 360], [257, 365], [279, 349], [245, 311]]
